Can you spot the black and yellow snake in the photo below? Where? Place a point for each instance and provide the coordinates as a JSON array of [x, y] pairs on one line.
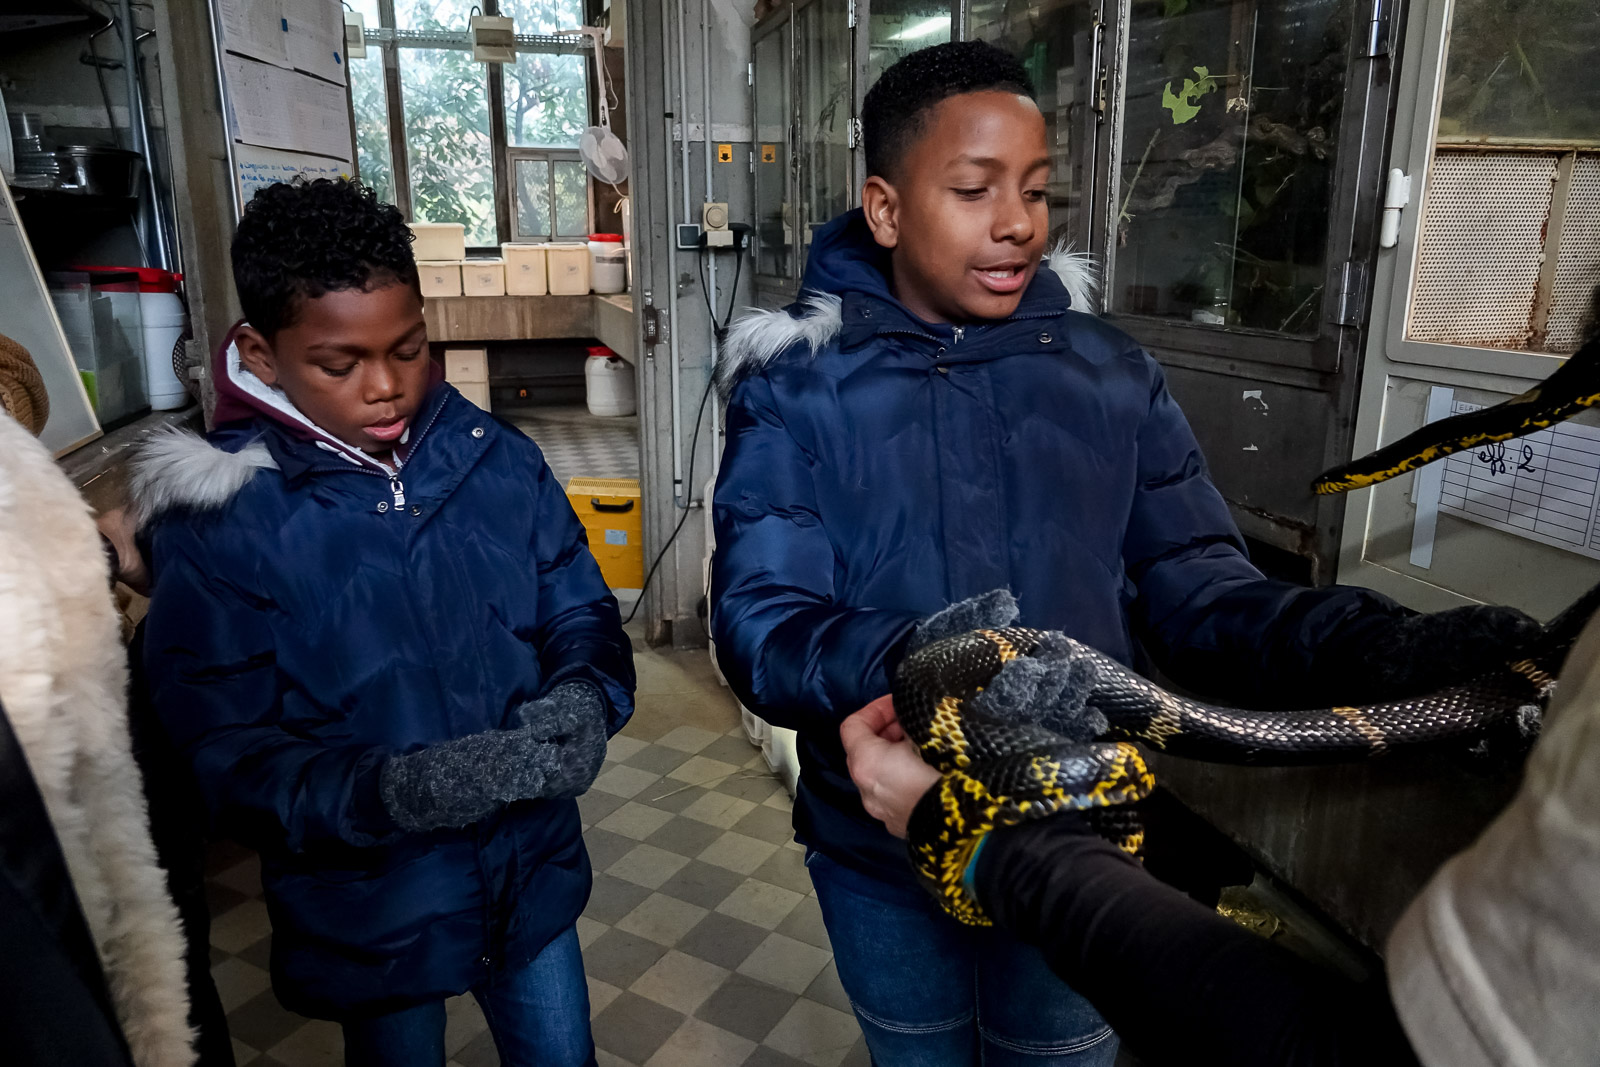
[[1000, 773]]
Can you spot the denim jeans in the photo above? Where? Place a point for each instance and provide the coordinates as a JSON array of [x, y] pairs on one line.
[[930, 992], [538, 1015]]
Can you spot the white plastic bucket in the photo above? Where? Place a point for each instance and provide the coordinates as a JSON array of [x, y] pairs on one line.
[[608, 271], [164, 323], [609, 383]]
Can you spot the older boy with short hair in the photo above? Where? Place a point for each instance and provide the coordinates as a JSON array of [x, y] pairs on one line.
[[937, 419]]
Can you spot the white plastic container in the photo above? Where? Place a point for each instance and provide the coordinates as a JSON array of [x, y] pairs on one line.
[[440, 279], [526, 272], [164, 322], [608, 263], [569, 269], [466, 365], [483, 277], [610, 386], [438, 240]]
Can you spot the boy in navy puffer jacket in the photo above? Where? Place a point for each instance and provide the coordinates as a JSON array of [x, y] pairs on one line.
[[378, 635], [938, 419]]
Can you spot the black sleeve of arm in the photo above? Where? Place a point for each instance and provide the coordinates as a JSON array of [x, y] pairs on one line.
[[1180, 984]]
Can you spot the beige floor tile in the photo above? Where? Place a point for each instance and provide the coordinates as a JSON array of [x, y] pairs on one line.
[[241, 927], [238, 981], [698, 770], [243, 1053], [739, 853], [719, 809], [589, 930], [689, 739], [699, 1044], [243, 877], [635, 820], [760, 903], [780, 800], [680, 981], [622, 746], [601, 994], [624, 781], [607, 1059], [319, 1043], [786, 963], [816, 1034], [662, 919], [463, 1021], [648, 866]]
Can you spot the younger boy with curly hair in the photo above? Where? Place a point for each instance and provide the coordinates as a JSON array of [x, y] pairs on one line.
[[378, 636]]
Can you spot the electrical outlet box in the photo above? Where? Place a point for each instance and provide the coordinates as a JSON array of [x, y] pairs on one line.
[[719, 238], [688, 235], [715, 217]]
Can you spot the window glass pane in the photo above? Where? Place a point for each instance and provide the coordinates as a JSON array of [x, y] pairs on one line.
[[572, 199], [902, 26], [547, 100], [1522, 72], [774, 219], [432, 14], [1232, 119], [1053, 38], [367, 9], [823, 49], [372, 123], [447, 139], [533, 198], [543, 16]]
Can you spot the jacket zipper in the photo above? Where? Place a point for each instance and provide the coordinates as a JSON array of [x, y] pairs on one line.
[[397, 488]]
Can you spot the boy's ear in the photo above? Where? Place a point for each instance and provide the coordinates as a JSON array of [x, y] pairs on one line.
[[881, 205], [255, 352]]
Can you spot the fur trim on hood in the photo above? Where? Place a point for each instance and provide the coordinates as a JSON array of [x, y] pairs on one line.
[[179, 469], [63, 680], [760, 336]]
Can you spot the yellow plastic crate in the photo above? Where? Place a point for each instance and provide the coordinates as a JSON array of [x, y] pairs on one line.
[[612, 512]]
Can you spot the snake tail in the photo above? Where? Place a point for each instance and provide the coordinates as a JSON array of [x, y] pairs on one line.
[[1573, 388]]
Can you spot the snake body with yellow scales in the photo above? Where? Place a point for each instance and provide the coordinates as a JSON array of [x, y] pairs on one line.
[[1003, 772]]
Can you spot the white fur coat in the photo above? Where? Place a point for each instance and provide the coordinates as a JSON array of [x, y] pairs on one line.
[[63, 681]]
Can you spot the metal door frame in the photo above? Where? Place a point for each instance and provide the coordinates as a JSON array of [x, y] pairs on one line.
[[781, 289]]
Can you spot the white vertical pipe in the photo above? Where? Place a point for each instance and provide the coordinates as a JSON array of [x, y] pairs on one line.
[[705, 116], [678, 495]]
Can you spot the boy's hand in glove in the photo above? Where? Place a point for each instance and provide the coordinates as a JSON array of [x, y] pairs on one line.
[[993, 610], [1410, 655], [456, 783]]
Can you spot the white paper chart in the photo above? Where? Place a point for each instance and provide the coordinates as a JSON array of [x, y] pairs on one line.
[[1542, 487]]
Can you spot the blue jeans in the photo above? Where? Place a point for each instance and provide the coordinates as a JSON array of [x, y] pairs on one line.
[[538, 1015], [930, 992]]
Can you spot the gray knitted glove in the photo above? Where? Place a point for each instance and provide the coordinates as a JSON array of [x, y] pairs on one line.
[[987, 611], [574, 712], [456, 783], [1050, 688]]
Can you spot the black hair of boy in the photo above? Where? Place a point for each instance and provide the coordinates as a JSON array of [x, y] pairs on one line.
[[303, 239], [897, 106]]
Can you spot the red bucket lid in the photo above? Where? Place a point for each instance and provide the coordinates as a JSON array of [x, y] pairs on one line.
[[617, 237], [151, 279], [602, 352]]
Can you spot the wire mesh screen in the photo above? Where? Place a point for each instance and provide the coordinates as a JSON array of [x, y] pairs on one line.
[[1482, 237], [1578, 261]]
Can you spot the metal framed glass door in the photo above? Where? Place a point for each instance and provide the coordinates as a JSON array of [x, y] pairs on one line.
[[825, 105], [1062, 43], [772, 104]]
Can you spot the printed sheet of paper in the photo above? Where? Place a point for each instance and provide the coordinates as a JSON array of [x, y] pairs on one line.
[[316, 37], [260, 167], [277, 108], [255, 28], [1544, 487]]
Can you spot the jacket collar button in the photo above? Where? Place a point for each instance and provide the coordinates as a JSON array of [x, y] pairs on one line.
[[1045, 338], [383, 505], [477, 431]]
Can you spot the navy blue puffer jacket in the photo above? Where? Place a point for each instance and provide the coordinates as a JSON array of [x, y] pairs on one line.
[[306, 624], [878, 468]]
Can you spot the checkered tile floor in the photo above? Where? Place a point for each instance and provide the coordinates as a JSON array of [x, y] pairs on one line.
[[577, 444], [703, 941]]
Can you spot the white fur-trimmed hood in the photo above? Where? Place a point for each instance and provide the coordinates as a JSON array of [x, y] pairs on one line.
[[760, 336], [63, 681], [178, 469]]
